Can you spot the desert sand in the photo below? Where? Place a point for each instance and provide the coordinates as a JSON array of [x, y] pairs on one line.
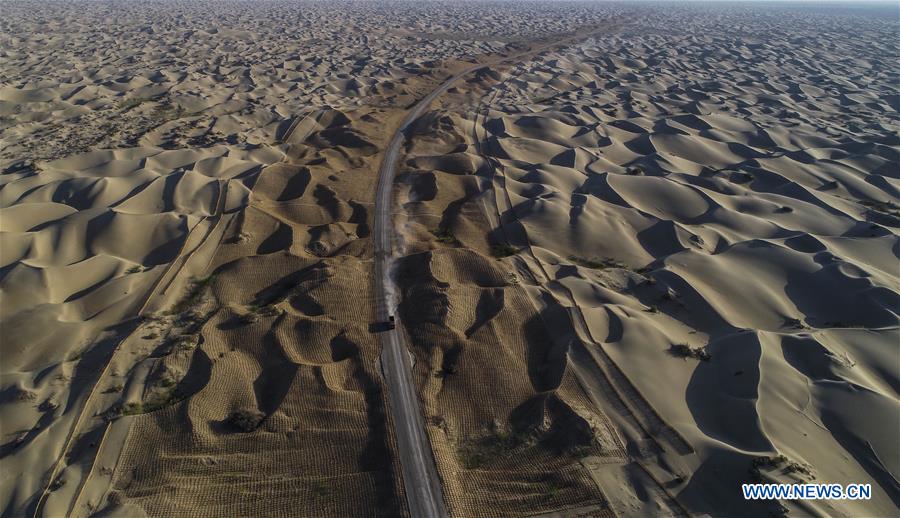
[[644, 255]]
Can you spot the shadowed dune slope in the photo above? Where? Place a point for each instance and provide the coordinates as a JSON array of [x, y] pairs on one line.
[[715, 209]]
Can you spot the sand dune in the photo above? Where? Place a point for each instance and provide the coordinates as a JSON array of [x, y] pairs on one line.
[[149, 149], [637, 267], [718, 198], [87, 240]]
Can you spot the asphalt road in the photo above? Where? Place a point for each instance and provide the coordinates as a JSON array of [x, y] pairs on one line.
[[420, 477]]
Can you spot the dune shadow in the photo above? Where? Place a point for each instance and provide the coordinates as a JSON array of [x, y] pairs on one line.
[[281, 239], [296, 185], [490, 304], [722, 393]]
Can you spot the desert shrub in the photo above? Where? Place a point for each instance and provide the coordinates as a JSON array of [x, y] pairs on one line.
[[493, 445], [240, 237], [768, 462], [794, 323], [162, 398], [318, 248], [133, 102], [158, 399], [758, 464], [255, 311], [686, 351], [504, 250], [248, 318], [596, 263], [444, 236], [740, 177], [449, 370], [166, 111], [580, 451], [186, 342], [132, 409], [194, 291], [319, 489], [48, 405], [887, 207], [246, 420], [553, 485]]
